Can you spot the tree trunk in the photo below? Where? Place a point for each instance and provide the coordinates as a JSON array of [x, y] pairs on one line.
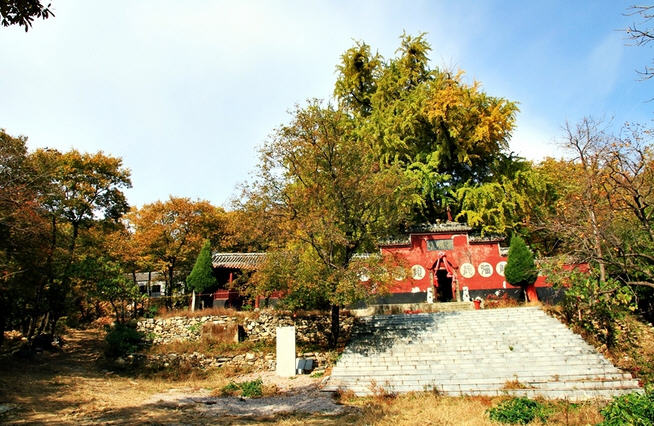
[[336, 326], [53, 325], [531, 294], [2, 328], [169, 290], [597, 240]]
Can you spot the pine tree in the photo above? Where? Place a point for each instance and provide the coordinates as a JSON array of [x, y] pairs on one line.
[[201, 277], [520, 268]]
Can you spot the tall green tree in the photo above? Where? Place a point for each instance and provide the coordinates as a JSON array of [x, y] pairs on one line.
[[442, 131], [23, 230], [516, 197], [83, 191], [201, 277], [520, 267], [54, 208], [332, 200]]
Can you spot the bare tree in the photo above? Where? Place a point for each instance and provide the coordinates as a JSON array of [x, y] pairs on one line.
[[642, 33]]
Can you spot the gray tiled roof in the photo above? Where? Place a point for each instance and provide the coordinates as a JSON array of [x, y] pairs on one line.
[[238, 260], [154, 276], [486, 238], [396, 241], [440, 227]]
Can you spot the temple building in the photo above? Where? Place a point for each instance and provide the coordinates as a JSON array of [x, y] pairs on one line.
[[446, 262], [436, 263]]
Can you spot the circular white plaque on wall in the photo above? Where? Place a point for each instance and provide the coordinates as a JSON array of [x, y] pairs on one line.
[[467, 270], [499, 268], [485, 269], [417, 272]]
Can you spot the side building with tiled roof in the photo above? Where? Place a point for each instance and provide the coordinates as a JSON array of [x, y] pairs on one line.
[[441, 262]]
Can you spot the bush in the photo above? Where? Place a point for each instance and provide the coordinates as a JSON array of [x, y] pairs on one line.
[[251, 389], [633, 409], [520, 268], [519, 411], [201, 277], [598, 307], [123, 339], [151, 312]]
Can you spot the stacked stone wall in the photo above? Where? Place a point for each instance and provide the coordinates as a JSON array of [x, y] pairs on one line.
[[261, 326]]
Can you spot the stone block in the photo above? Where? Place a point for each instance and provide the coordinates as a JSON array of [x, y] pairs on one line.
[[285, 351], [224, 333]]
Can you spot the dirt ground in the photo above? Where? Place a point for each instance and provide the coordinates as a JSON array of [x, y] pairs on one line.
[[71, 386]]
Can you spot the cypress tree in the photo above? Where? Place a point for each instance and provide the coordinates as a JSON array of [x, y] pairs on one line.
[[520, 268], [201, 277]]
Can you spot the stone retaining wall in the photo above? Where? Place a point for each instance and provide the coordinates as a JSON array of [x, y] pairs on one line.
[[262, 326], [309, 329], [253, 360]]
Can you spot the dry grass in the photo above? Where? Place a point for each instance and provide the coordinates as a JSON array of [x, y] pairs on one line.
[[504, 301], [209, 347], [71, 387], [230, 312], [514, 384], [431, 409], [634, 351], [424, 408], [635, 354], [163, 313]]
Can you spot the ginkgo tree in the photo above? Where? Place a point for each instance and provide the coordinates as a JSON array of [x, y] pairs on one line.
[[331, 199], [443, 131]]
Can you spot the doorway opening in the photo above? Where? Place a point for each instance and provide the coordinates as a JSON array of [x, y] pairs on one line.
[[444, 289]]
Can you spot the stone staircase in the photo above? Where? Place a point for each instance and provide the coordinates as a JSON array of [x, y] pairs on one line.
[[515, 351]]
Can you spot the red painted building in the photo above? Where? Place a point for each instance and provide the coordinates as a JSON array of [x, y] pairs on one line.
[[445, 257], [453, 263]]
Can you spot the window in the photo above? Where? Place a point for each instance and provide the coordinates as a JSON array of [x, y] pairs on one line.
[[433, 245]]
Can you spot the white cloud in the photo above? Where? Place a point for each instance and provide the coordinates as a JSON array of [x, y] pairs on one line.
[[535, 139], [602, 66]]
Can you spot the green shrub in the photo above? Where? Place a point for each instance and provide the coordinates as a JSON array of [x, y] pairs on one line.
[[195, 328], [201, 277], [151, 312], [520, 268], [251, 389], [123, 339], [633, 409], [519, 411], [598, 307], [230, 388]]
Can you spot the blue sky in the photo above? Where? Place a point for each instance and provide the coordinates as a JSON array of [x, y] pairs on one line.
[[184, 92]]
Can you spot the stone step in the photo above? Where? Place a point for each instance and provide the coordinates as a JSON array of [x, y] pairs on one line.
[[567, 394], [461, 357], [528, 377], [419, 385], [480, 374], [475, 352]]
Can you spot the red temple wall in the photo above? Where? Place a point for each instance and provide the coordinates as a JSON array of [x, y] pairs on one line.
[[463, 253]]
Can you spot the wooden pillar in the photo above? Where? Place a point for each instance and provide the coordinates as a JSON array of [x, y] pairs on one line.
[[431, 283]]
